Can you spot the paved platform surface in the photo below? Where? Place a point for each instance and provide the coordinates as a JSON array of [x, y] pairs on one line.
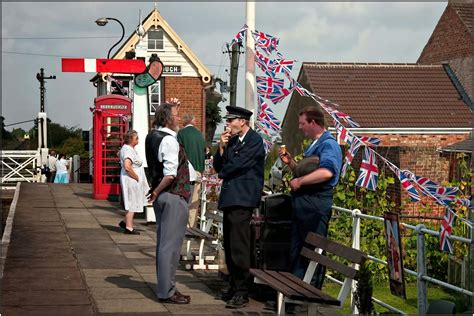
[[67, 256]]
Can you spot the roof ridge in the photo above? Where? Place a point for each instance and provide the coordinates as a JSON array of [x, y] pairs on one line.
[[357, 64]]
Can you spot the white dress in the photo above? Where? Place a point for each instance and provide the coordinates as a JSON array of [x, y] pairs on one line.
[[133, 192]]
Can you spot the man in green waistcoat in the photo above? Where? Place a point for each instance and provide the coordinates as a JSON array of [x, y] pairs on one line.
[[194, 145]]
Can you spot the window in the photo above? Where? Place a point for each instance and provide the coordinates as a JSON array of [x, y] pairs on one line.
[[154, 97], [155, 39]]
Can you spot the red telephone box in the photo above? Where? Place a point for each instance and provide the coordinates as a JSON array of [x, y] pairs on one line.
[[111, 121]]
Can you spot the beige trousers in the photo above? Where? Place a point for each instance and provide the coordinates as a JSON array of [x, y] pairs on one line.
[[194, 203]]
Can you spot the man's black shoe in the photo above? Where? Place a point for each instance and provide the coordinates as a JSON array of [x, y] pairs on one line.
[[225, 295], [238, 301], [175, 299]]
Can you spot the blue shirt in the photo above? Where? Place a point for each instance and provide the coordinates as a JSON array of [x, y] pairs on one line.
[[330, 155]]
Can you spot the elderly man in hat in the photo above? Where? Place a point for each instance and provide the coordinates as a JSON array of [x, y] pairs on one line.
[[239, 162]]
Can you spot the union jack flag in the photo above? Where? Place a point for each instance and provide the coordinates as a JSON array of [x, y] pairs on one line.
[[239, 36], [370, 141], [342, 132], [266, 117], [445, 231], [369, 172], [294, 85], [264, 63], [267, 42], [267, 85], [346, 118], [404, 181], [351, 152], [259, 126], [284, 65], [267, 145], [278, 96]]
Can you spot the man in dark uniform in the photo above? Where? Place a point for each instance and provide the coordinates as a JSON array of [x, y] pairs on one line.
[[312, 193], [239, 162]]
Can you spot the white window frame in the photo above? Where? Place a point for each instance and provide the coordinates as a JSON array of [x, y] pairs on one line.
[[156, 40], [154, 89]]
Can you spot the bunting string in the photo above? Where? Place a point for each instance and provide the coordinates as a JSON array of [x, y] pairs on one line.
[[272, 88]]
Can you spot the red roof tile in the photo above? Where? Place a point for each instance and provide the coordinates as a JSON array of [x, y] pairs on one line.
[[390, 95]]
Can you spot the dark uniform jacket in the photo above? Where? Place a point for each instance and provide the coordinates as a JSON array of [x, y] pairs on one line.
[[241, 169]]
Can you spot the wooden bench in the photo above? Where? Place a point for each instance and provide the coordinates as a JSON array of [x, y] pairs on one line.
[[196, 233], [291, 289]]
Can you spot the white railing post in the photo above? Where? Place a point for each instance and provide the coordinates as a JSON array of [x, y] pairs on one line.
[[355, 245], [421, 270]]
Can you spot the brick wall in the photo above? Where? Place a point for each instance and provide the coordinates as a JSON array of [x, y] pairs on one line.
[[450, 40], [451, 43], [189, 90]]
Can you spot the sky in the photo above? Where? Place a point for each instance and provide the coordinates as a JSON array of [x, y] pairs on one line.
[[37, 35]]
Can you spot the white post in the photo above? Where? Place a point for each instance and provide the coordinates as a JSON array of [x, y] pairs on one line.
[[140, 109], [355, 245], [250, 61], [42, 138]]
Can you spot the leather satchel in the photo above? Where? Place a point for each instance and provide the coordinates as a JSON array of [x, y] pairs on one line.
[[306, 166]]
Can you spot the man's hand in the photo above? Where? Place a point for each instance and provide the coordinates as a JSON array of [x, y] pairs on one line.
[[295, 184], [225, 136], [285, 156], [174, 101], [151, 196]]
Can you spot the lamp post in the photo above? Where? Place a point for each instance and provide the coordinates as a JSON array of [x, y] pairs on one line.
[[104, 21]]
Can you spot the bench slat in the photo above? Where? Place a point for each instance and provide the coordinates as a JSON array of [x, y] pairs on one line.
[[298, 286], [291, 289], [276, 284], [329, 263], [333, 247], [195, 232], [215, 216], [328, 299]]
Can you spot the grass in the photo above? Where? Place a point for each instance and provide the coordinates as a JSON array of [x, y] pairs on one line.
[[409, 305]]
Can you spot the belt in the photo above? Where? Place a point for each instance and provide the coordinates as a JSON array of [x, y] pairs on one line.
[[192, 182]]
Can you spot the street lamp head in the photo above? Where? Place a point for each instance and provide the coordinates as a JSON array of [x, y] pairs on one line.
[[102, 21]]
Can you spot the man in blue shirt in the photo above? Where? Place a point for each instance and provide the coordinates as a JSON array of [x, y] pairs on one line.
[[312, 193]]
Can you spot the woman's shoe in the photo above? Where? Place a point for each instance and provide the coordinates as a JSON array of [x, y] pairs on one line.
[[122, 225], [131, 232]]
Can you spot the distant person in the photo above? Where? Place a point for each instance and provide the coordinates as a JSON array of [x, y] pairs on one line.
[[52, 166], [208, 154], [169, 176], [133, 181], [62, 173], [239, 162], [194, 145]]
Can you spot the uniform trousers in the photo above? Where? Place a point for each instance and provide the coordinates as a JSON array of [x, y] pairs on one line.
[[311, 213], [237, 247], [171, 212]]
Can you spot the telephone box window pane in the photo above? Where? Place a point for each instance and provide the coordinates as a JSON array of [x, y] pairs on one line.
[[113, 131], [154, 98]]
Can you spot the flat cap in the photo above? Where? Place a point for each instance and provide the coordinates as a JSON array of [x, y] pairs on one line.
[[237, 112]]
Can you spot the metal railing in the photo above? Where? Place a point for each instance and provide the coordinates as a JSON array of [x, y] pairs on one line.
[[19, 166], [421, 271]]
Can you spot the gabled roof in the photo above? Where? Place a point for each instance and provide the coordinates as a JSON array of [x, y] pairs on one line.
[[154, 19], [465, 11], [390, 95]]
